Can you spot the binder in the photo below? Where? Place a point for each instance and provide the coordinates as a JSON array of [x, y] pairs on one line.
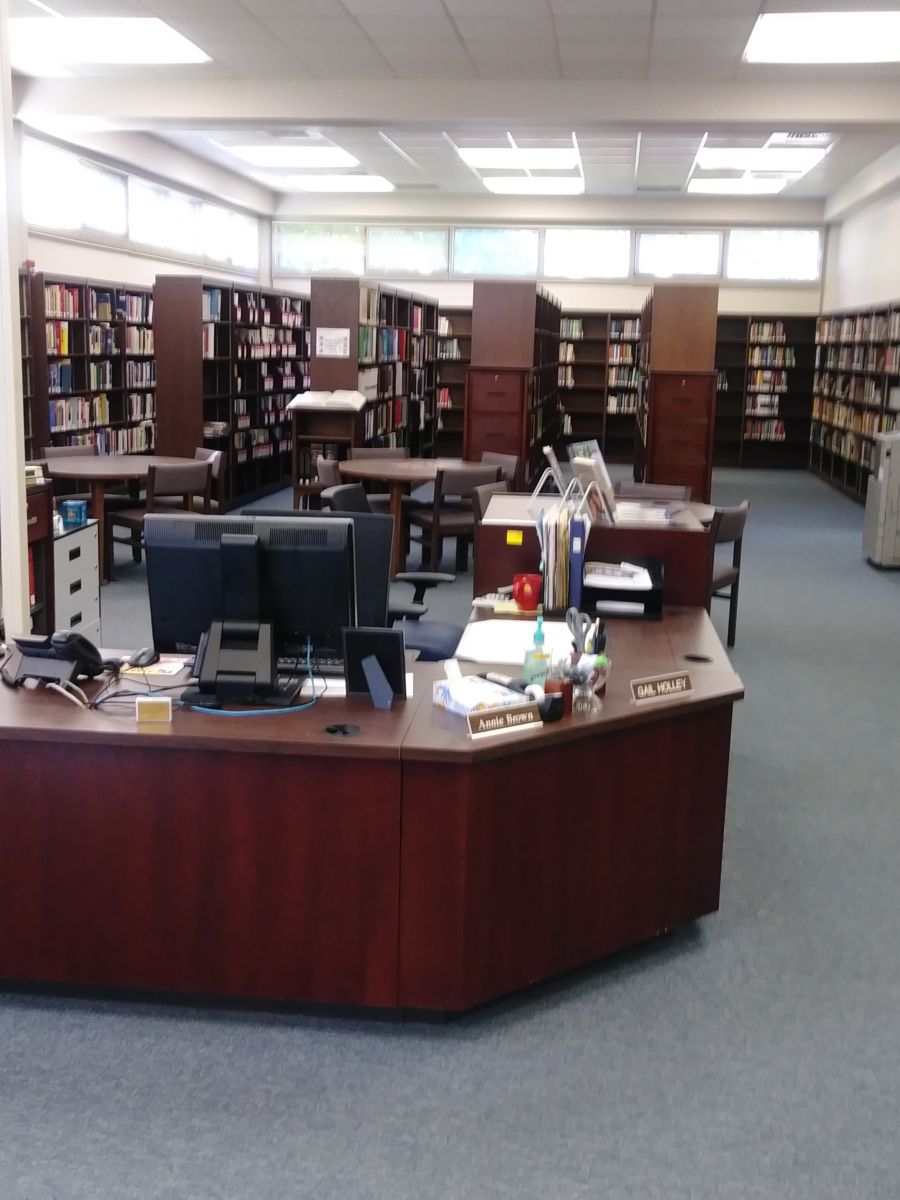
[[578, 532]]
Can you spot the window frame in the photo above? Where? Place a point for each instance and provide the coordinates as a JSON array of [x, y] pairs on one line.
[[639, 276], [744, 281]]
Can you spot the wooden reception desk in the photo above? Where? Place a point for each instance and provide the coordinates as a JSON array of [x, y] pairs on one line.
[[405, 867]]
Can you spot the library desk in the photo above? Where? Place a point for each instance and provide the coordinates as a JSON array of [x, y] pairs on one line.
[[98, 471], [503, 550], [405, 868], [399, 474]]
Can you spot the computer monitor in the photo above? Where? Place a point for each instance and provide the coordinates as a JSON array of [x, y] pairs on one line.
[[372, 537], [299, 575]]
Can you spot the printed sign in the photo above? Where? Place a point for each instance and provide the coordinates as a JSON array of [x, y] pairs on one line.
[[661, 687], [332, 343], [492, 721]]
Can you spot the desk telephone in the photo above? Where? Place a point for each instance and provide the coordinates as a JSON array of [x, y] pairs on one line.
[[57, 658]]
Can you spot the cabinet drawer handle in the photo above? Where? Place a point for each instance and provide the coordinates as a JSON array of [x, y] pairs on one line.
[[73, 554], [74, 587], [75, 619]]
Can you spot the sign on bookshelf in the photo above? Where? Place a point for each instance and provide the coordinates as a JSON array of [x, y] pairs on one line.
[[332, 343]]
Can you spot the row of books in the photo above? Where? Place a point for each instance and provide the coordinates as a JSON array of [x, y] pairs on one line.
[[103, 339], [140, 374], [861, 327], [417, 318], [854, 358], [444, 398], [566, 377], [763, 404], [621, 354], [767, 331], [628, 329], [132, 439], [449, 350], [853, 388], [767, 381], [212, 304], [368, 306], [626, 403], [445, 328], [843, 416], [138, 340], [424, 349], [100, 375], [764, 431], [136, 307], [623, 377], [571, 328], [60, 377], [213, 346], [78, 412], [368, 382], [386, 418], [844, 444], [58, 341], [62, 300], [773, 356]]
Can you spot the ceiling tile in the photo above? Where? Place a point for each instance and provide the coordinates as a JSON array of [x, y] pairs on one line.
[[617, 28], [603, 52], [600, 8]]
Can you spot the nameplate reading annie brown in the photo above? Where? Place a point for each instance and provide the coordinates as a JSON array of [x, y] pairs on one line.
[[491, 721], [661, 687]]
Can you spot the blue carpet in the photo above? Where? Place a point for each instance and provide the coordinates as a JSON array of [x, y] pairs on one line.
[[755, 1056]]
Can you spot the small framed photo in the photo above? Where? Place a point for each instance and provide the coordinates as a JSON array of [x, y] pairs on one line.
[[387, 646]]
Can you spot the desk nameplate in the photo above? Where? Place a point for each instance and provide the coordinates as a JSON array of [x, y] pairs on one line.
[[491, 721], [673, 686]]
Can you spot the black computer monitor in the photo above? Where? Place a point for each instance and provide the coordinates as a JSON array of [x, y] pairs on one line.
[[372, 537], [299, 574]]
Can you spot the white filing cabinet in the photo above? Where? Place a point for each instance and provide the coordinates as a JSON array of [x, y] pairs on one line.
[[76, 581]]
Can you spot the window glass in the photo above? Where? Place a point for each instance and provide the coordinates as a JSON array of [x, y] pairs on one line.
[[318, 249], [60, 191], [164, 219], [587, 253], [245, 241], [409, 251], [495, 252], [665, 255], [773, 254]]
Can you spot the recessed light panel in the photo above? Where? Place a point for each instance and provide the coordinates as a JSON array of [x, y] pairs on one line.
[[40, 45], [294, 156], [775, 158], [825, 37], [508, 158]]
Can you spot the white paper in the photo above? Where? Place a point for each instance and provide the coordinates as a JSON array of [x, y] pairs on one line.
[[505, 642], [335, 689], [332, 343]]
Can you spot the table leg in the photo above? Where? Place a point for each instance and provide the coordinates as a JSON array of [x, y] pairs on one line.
[[398, 549], [98, 512]]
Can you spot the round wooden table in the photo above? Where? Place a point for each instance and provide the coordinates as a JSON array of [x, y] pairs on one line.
[[398, 474], [98, 471]]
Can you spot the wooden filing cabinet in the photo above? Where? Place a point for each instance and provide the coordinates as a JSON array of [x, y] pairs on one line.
[[679, 431], [497, 414], [76, 574]]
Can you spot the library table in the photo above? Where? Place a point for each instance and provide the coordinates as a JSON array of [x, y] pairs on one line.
[[399, 474], [98, 471], [405, 867]]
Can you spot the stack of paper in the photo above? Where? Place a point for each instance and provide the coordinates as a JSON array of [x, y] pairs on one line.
[[624, 576], [339, 399]]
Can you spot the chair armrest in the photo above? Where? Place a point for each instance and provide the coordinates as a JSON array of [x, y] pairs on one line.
[[422, 581], [399, 609]]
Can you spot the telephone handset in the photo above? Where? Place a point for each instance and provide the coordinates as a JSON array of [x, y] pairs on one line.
[[58, 657]]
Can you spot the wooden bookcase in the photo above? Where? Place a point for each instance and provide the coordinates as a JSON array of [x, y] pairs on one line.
[[229, 360], [598, 379], [26, 336], [454, 353], [92, 365], [423, 352], [512, 384], [677, 398], [856, 393]]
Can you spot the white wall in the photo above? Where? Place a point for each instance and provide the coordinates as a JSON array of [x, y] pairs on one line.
[[862, 262], [58, 256]]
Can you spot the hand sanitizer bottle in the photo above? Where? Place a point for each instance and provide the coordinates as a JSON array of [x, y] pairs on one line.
[[537, 660]]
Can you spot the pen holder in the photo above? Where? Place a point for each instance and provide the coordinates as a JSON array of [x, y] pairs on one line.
[[587, 682]]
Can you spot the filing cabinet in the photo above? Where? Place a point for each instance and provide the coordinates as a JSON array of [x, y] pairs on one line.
[[76, 577]]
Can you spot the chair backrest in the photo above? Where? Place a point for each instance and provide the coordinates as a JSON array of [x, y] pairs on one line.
[[508, 463], [347, 497], [481, 496], [379, 452], [68, 451], [652, 491], [215, 457], [463, 482], [728, 526], [186, 480], [327, 472]]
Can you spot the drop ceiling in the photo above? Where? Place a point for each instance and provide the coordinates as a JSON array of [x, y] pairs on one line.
[[452, 53]]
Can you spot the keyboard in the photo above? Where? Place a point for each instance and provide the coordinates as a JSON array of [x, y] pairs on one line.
[[328, 665]]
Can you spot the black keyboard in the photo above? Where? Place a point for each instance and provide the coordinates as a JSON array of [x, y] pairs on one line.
[[330, 666]]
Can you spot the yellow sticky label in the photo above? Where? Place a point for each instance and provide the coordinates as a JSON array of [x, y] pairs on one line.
[[514, 537]]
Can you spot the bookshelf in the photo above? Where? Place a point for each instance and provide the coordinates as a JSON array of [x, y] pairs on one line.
[[423, 353], [90, 365], [677, 395], [25, 331], [598, 379], [512, 383], [856, 393], [229, 359], [454, 353]]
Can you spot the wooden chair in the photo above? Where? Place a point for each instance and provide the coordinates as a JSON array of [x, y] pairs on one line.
[[727, 528], [380, 501], [189, 482], [215, 458], [481, 497], [445, 519], [508, 464]]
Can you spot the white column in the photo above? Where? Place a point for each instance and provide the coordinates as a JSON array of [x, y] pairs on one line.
[[13, 533]]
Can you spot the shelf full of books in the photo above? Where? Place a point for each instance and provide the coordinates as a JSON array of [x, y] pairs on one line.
[[856, 393], [454, 353], [91, 369], [598, 379]]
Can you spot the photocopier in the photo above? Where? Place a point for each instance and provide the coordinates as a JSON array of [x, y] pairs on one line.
[[881, 531]]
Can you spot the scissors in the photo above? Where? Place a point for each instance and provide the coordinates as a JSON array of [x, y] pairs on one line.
[[579, 625]]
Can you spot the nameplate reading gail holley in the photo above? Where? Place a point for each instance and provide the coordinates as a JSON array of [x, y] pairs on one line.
[[661, 687]]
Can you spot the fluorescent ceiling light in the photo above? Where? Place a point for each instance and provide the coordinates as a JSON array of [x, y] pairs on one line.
[[742, 185], [339, 183], [776, 158], [517, 159], [294, 156], [51, 41], [825, 37], [530, 185]]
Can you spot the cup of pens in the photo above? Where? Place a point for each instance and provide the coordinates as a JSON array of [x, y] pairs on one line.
[[589, 665]]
